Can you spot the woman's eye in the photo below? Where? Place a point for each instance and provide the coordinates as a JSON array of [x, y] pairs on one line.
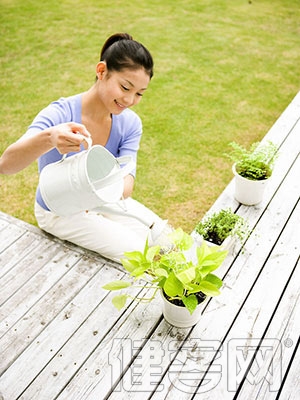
[[124, 88]]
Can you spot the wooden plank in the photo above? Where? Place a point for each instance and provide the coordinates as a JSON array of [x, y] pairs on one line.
[[16, 251], [285, 122], [36, 319], [3, 223], [115, 352], [9, 235], [26, 267], [291, 388], [25, 227], [7, 219], [288, 154], [282, 338], [50, 341], [22, 300], [145, 372]]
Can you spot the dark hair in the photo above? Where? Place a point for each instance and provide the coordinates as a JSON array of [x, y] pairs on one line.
[[120, 51]]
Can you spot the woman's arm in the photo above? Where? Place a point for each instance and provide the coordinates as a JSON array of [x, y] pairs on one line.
[[128, 186], [19, 155]]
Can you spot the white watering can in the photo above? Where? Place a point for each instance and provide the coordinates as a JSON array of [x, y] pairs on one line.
[[84, 181], [91, 180]]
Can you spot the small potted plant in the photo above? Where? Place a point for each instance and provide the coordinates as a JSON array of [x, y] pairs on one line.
[[252, 168], [222, 228], [184, 284]]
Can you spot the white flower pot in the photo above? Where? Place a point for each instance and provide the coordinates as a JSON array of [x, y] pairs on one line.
[[180, 316], [247, 191], [226, 245]]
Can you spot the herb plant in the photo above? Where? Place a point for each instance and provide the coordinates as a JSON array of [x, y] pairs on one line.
[[218, 226], [180, 279], [257, 162]]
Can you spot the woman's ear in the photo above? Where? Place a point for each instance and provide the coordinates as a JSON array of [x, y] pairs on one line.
[[100, 69]]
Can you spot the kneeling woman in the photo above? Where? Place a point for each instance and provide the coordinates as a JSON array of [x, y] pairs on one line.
[[103, 114]]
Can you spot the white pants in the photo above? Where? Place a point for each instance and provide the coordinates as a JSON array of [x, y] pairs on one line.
[[106, 233]]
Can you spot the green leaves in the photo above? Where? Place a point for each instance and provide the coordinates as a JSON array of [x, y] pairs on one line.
[[181, 239], [209, 288], [119, 301], [137, 263], [257, 162], [187, 275], [178, 277], [116, 285], [215, 280], [190, 303], [173, 286], [210, 258]]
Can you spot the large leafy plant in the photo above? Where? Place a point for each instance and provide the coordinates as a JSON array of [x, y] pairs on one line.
[[255, 163], [216, 227], [180, 278]]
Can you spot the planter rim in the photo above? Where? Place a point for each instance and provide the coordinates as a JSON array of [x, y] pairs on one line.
[[247, 179], [179, 316], [181, 306], [226, 244]]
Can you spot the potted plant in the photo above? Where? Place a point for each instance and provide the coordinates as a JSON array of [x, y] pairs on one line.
[[184, 284], [252, 168], [222, 228]]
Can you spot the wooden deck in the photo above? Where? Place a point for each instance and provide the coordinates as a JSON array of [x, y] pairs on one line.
[[61, 338]]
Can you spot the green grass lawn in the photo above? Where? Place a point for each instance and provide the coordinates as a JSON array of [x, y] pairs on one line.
[[224, 70]]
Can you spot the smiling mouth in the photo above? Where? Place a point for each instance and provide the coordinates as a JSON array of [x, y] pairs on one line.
[[119, 105]]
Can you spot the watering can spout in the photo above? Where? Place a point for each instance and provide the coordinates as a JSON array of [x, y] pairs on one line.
[[159, 233], [159, 229]]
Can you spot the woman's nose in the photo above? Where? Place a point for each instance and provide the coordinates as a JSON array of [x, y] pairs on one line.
[[129, 99]]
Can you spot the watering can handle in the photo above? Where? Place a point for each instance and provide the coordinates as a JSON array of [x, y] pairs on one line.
[[130, 164], [88, 141], [115, 176]]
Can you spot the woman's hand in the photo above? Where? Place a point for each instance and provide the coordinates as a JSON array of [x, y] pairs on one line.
[[64, 137], [68, 137]]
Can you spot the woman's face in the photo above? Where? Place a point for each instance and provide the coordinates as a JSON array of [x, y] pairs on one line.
[[121, 90]]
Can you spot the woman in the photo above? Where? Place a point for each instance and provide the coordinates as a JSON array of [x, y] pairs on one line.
[[122, 77]]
